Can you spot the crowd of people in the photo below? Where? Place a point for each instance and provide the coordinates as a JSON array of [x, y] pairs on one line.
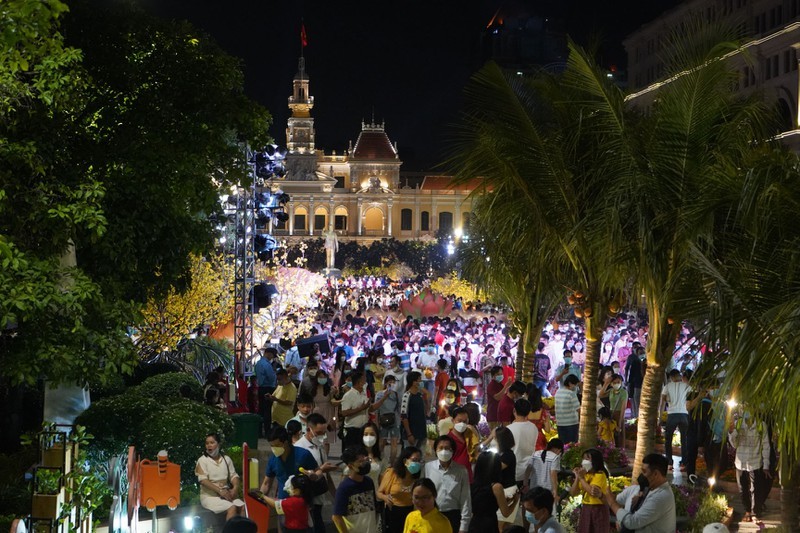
[[406, 398]]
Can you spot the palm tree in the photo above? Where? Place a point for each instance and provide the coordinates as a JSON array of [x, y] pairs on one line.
[[538, 145], [513, 273], [753, 271]]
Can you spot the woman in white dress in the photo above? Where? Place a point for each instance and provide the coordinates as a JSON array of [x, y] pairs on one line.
[[219, 482]]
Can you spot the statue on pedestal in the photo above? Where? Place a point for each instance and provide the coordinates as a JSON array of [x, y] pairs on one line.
[[331, 247]]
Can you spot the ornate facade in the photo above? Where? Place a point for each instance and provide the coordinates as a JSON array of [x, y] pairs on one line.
[[361, 193]]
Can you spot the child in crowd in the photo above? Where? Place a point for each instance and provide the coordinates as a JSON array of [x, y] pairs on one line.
[[607, 426], [293, 509], [591, 480]]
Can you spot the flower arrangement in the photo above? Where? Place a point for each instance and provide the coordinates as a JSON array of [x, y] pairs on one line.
[[432, 431], [550, 403], [426, 303], [687, 501], [613, 457], [617, 484], [570, 513], [483, 427], [573, 453]]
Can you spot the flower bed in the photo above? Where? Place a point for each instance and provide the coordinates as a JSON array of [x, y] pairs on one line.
[[615, 458]]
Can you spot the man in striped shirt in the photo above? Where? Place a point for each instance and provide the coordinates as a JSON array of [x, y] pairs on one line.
[[568, 410]]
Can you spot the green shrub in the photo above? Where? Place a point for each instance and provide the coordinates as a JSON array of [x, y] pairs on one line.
[[116, 422], [712, 509], [169, 387], [180, 428], [236, 454]]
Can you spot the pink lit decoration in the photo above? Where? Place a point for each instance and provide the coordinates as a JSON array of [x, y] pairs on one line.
[[426, 304]]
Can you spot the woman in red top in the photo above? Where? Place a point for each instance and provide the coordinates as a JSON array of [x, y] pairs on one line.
[[466, 439], [539, 415]]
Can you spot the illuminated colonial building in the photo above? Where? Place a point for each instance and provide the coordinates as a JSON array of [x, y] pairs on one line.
[[361, 192], [767, 62]]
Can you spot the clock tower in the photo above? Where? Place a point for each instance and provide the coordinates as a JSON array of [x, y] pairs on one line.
[[300, 126]]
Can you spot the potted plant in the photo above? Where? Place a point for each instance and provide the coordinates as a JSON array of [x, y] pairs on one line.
[[48, 494]]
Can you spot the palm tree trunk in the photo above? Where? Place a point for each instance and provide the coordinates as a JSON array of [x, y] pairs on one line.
[[588, 423], [522, 360], [790, 493], [648, 414]]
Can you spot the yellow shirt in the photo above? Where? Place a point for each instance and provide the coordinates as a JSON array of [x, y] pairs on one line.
[[599, 479], [605, 430], [283, 413], [433, 522]]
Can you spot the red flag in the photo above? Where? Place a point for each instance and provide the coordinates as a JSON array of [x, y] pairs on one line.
[[303, 36]]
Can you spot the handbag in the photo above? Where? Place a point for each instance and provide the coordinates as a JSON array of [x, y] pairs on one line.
[[387, 420]]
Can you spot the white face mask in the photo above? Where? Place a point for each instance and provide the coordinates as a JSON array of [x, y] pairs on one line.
[[370, 440], [319, 440], [312, 373], [278, 450], [444, 455], [587, 465], [461, 427], [616, 385]]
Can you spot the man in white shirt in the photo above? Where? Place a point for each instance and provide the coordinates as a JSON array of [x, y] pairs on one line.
[[452, 484], [313, 440], [355, 407], [675, 393], [751, 440], [525, 436], [648, 507]]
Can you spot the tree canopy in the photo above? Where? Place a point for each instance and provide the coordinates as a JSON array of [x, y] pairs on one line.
[[115, 138]]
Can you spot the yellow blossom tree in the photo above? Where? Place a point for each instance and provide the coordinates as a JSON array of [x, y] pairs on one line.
[[206, 301], [452, 285]]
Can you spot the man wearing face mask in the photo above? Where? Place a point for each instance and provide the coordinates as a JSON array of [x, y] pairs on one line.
[[538, 504], [314, 441], [568, 368], [649, 506], [354, 505], [452, 484]]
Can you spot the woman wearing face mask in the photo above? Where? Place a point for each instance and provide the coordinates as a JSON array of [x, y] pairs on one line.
[[324, 392], [377, 368], [371, 439], [389, 416], [395, 488], [466, 439], [339, 367], [219, 482], [594, 510]]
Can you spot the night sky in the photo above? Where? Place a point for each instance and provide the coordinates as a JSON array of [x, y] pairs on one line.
[[407, 61]]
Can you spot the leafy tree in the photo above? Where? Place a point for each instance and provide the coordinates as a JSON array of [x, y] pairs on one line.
[[113, 144], [207, 301], [161, 128]]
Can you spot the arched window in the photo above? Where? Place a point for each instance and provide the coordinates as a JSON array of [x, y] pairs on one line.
[[445, 221], [300, 216], [340, 219], [425, 221], [406, 218], [320, 219], [373, 221]]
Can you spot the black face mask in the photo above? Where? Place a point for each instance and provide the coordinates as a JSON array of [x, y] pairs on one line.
[[643, 481], [364, 469]]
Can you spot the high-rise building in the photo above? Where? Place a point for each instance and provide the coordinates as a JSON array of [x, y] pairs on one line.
[[766, 62]]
